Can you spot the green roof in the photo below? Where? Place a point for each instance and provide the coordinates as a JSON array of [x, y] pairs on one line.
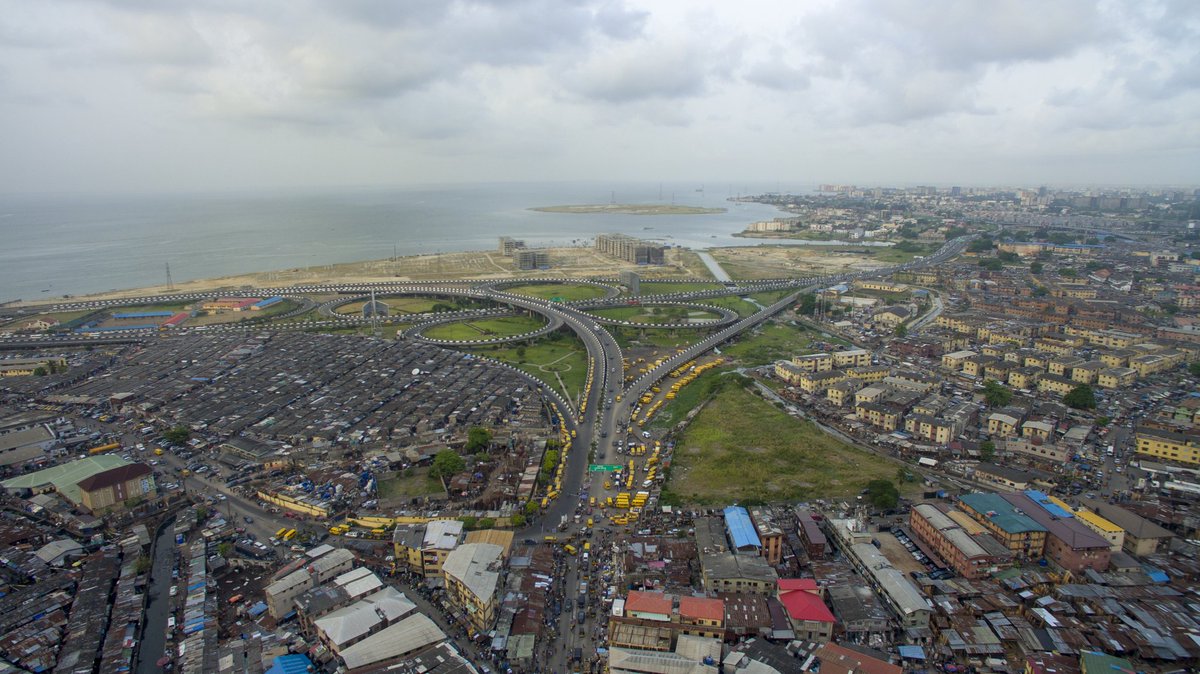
[[1001, 513], [1091, 662], [66, 477]]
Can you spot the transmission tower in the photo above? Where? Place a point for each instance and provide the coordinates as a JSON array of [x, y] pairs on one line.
[[170, 283]]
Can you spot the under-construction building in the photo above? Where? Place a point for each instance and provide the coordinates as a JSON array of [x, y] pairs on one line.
[[629, 249], [508, 246], [531, 258]]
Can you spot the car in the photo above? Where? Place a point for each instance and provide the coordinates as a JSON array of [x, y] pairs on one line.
[[248, 519]]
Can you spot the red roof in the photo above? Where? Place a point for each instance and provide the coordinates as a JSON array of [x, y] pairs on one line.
[[840, 660], [803, 605], [702, 608], [647, 602], [790, 584], [113, 476]]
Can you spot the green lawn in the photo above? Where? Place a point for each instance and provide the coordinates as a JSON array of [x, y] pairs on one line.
[[771, 297], [559, 354], [689, 397], [660, 288], [632, 338], [398, 305], [564, 291], [733, 302], [653, 314], [414, 486], [769, 343], [485, 329], [778, 458]]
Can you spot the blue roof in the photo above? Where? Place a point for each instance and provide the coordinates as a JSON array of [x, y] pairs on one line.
[[268, 302], [912, 652], [741, 529], [1048, 505], [145, 314], [290, 664], [1000, 512]]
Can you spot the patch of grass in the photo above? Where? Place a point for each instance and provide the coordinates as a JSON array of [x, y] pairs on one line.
[[778, 457], [659, 288], [771, 296], [653, 314], [769, 343], [632, 338], [485, 329], [741, 306], [549, 291], [558, 354], [689, 397], [416, 485]]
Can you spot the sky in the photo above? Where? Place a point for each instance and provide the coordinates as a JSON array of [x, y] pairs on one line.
[[163, 95]]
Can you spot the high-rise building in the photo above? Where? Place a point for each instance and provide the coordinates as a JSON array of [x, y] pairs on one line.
[[630, 249]]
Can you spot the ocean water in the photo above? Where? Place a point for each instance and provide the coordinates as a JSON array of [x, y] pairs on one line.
[[70, 245]]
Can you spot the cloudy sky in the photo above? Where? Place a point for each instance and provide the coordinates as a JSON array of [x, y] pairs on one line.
[[163, 95]]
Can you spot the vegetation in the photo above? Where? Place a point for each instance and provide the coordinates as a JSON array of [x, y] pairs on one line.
[[987, 450], [143, 564], [778, 457], [661, 288], [478, 437], [996, 394], [882, 494], [654, 314], [447, 464], [1194, 369], [565, 291], [769, 343], [555, 357], [413, 483], [1081, 397], [691, 396], [177, 435], [488, 328]]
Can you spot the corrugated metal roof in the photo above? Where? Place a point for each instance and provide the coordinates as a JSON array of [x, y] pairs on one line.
[[741, 529]]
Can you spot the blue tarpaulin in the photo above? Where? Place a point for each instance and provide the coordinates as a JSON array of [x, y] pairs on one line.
[[257, 609], [290, 664], [912, 652]]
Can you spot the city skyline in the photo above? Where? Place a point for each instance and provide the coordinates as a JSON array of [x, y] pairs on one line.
[[154, 97]]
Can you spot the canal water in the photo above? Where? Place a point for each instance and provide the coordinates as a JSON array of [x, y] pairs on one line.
[[158, 603]]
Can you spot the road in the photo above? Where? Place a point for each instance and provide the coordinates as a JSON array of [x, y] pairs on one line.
[[718, 272]]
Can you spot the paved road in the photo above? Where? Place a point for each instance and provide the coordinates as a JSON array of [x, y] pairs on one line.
[[718, 272]]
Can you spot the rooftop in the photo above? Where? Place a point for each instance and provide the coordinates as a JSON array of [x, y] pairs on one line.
[[1001, 513], [648, 602], [475, 566], [741, 529], [65, 478]]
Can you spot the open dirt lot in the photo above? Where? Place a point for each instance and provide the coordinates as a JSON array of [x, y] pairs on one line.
[[781, 261]]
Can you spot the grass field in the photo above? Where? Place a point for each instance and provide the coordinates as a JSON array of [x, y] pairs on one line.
[[551, 358], [657, 288], [733, 302], [404, 305], [778, 457], [654, 314], [548, 291], [414, 486], [485, 329], [688, 398], [632, 338], [771, 297], [769, 343]]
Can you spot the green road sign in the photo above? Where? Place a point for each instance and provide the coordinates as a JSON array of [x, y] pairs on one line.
[[603, 467]]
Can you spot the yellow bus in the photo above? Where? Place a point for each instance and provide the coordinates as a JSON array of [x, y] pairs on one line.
[[289, 534], [279, 534]]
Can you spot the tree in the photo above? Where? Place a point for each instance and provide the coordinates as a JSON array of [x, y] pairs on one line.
[[521, 354], [991, 264], [177, 435], [549, 460], [981, 245], [478, 437], [882, 494], [517, 520], [39, 371], [531, 508], [808, 304], [1194, 368], [143, 564], [1103, 421], [225, 549], [903, 474], [901, 330], [1081, 397], [987, 450], [996, 394], [469, 521], [485, 523], [1035, 267], [1067, 272], [447, 464]]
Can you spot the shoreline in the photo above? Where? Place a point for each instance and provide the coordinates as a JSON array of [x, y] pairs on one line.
[[629, 209]]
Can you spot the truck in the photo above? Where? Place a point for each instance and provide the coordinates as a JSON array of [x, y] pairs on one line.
[[104, 448]]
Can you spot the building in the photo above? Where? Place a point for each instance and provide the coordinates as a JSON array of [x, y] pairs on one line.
[[811, 535], [532, 258], [508, 245], [31, 443], [324, 563], [659, 615], [1010, 479], [730, 572], [630, 249], [472, 572], [811, 619], [63, 478], [1169, 445], [115, 487], [769, 535], [1142, 537], [631, 281], [354, 623], [406, 637], [902, 597], [970, 556], [1015, 530], [1092, 662], [837, 659], [741, 530], [440, 539], [1069, 544]]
